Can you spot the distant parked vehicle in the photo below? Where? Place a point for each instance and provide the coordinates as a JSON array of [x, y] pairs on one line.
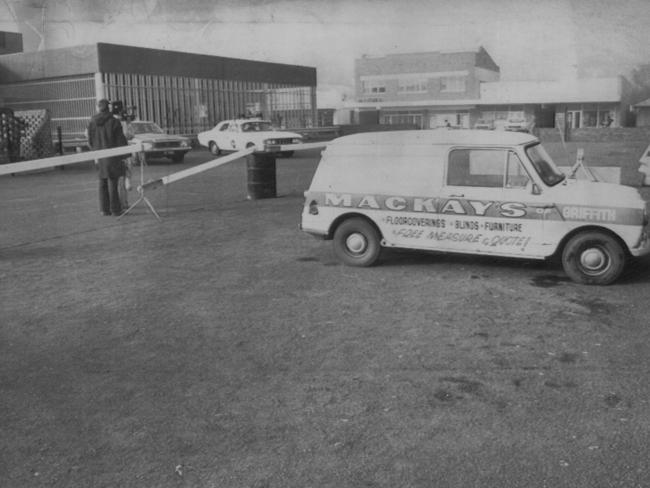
[[518, 125], [483, 124], [238, 134], [157, 142]]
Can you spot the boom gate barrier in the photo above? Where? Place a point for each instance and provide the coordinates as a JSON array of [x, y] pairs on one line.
[[133, 149]]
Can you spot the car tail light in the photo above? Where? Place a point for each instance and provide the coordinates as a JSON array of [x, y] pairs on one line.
[[313, 207]]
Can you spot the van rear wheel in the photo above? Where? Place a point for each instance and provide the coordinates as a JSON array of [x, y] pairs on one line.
[[357, 242], [593, 258]]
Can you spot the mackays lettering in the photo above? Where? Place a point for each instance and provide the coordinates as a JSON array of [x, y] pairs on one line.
[[486, 208], [453, 206]]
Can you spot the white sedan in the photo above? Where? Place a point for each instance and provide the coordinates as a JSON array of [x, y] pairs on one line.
[[238, 134]]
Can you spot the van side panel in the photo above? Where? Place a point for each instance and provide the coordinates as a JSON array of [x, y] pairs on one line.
[[400, 169]]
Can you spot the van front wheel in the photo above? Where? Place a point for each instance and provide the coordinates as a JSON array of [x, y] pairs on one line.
[[593, 258], [357, 242]]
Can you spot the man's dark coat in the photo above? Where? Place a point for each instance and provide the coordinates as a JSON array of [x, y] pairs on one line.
[[104, 132]]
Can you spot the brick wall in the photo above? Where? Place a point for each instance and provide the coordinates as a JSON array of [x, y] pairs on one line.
[[613, 134]]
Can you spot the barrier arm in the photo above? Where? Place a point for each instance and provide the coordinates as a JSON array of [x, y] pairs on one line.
[[215, 163], [35, 164], [580, 164], [179, 175]]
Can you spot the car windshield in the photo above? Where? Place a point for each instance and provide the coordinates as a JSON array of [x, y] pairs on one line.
[[145, 128], [256, 126], [544, 165]]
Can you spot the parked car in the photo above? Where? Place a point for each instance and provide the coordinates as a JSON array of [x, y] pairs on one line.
[[159, 143], [477, 192], [518, 125], [482, 124], [238, 134]]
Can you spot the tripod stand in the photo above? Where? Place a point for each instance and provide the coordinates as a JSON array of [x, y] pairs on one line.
[[142, 197]]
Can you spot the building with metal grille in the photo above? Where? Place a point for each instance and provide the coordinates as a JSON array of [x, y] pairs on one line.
[[184, 93]]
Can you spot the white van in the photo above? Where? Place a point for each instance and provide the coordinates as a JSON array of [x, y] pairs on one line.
[[470, 191]]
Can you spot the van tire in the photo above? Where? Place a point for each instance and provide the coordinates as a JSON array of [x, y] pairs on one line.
[[214, 149], [593, 258], [357, 242]]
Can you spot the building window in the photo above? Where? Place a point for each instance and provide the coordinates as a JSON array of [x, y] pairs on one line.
[[606, 118], [590, 118], [402, 119], [412, 85], [452, 84], [373, 86]]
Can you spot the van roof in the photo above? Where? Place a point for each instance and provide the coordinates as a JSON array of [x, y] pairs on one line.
[[450, 137]]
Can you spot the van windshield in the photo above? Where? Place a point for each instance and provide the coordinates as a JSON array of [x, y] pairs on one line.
[[544, 165]]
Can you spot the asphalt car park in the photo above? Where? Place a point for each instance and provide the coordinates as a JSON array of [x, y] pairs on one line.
[[225, 347]]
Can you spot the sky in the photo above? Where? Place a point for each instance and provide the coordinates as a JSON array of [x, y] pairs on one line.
[[528, 39]]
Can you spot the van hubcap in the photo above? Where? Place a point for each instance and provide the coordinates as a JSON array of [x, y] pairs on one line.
[[356, 243], [594, 260]]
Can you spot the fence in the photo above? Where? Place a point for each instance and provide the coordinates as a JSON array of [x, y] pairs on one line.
[[10, 128]]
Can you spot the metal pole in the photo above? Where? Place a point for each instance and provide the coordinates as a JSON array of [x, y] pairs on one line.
[[59, 137]]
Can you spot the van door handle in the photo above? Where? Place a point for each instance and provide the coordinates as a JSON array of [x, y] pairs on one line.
[[457, 195], [541, 205]]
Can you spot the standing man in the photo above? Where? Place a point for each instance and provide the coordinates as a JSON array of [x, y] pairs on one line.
[[104, 132]]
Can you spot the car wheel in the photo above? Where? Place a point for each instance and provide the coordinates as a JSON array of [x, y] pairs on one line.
[[593, 258], [178, 158], [214, 149], [357, 242]]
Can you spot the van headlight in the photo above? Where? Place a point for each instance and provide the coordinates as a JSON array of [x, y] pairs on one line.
[[270, 142], [185, 143]]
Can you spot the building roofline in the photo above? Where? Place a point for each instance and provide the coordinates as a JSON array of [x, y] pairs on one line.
[[140, 60], [117, 58], [418, 53], [643, 103]]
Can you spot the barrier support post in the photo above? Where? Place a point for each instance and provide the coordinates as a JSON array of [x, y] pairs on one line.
[[141, 196], [261, 175]]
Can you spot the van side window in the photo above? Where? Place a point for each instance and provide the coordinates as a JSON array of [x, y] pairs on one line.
[[224, 127], [477, 167]]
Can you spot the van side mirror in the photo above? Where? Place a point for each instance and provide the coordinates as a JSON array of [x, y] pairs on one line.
[[536, 190]]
